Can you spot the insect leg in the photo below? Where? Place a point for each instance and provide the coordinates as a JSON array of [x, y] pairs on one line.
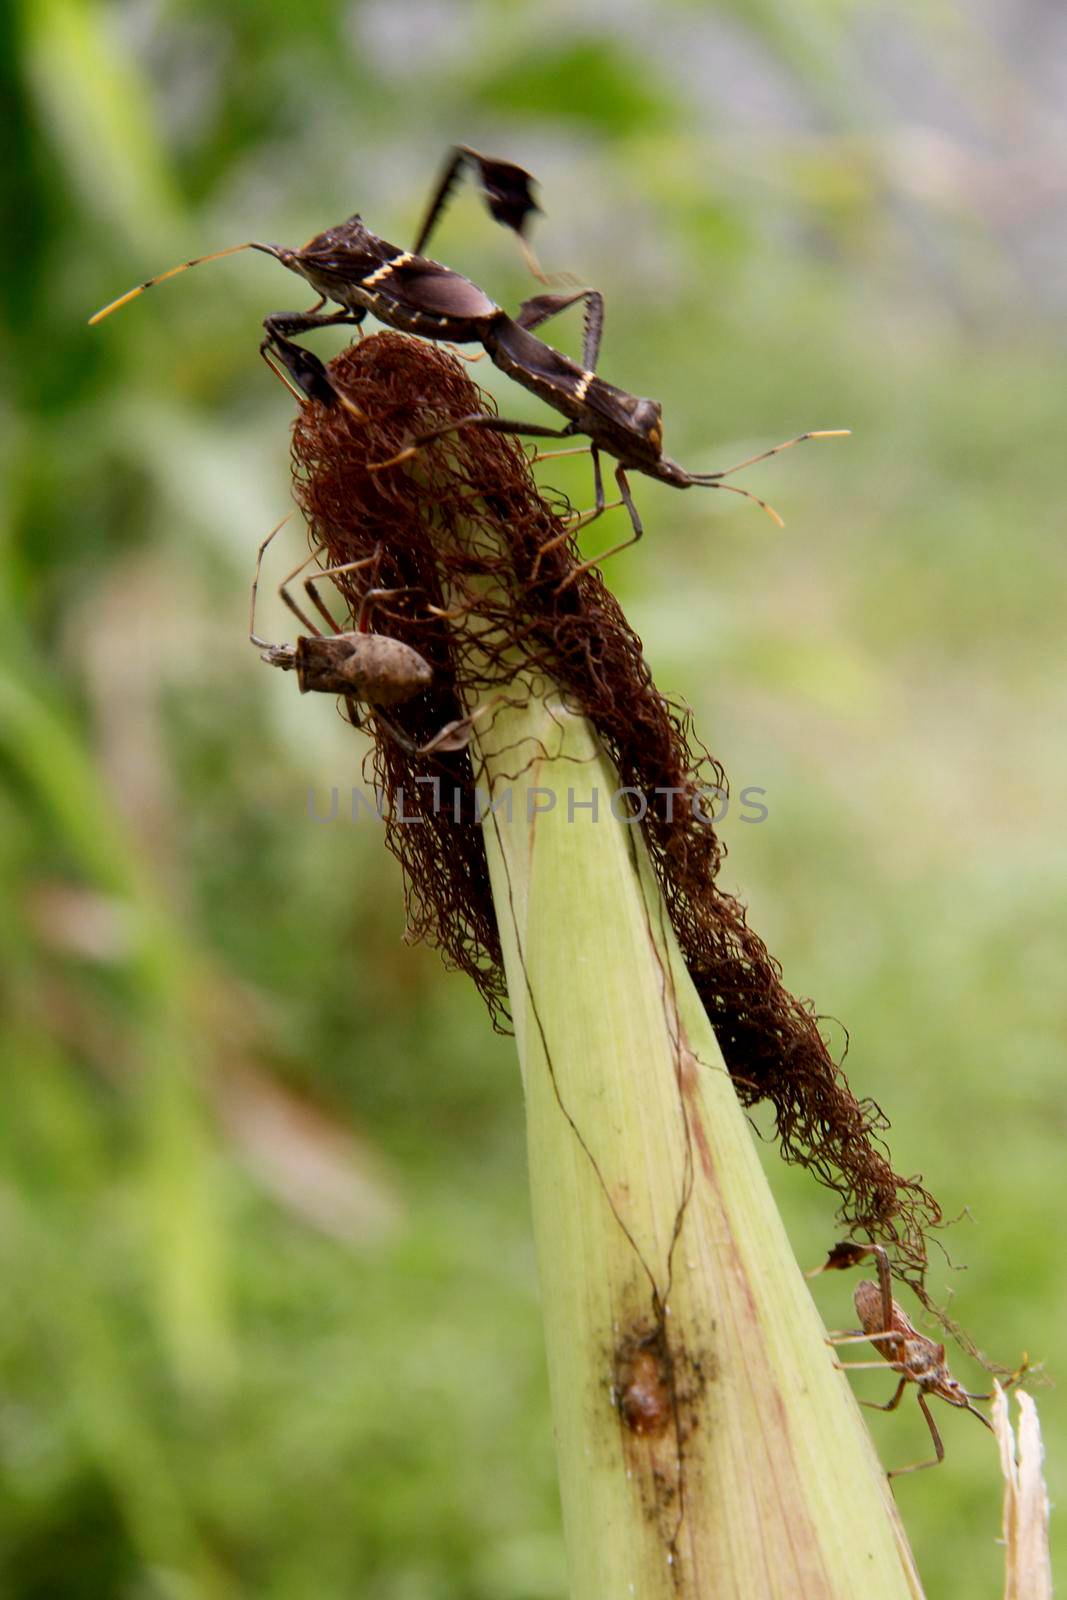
[[557, 455], [885, 1281], [283, 590], [307, 371], [454, 162], [887, 1336], [334, 572], [581, 519], [282, 323], [584, 518], [635, 523], [453, 736], [890, 1405], [312, 381], [598, 480], [505, 187], [477, 419], [920, 1466], [532, 313], [372, 596]]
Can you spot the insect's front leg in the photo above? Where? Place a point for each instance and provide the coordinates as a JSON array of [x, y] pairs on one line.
[[372, 597], [310, 380], [282, 324], [886, 1336], [308, 373]]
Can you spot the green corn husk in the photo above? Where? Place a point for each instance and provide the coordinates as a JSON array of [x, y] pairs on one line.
[[671, 1297]]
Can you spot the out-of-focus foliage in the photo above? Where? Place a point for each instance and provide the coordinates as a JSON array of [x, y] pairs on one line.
[[270, 1318]]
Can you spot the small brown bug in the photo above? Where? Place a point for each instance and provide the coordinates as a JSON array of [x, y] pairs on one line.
[[370, 667], [916, 1358]]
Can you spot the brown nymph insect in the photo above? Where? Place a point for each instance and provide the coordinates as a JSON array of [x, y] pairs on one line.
[[916, 1358], [372, 668]]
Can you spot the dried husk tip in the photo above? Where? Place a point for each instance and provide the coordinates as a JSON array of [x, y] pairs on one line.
[[1027, 1560]]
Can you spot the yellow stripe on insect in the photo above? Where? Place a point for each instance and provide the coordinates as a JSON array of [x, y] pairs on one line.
[[390, 266], [583, 387]]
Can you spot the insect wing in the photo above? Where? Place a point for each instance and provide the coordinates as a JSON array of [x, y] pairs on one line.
[[425, 286]]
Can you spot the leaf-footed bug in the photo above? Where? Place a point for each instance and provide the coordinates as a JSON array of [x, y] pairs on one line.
[[902, 1347], [406, 290], [363, 273]]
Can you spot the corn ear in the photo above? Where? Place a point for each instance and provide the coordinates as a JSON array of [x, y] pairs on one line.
[[707, 1446]]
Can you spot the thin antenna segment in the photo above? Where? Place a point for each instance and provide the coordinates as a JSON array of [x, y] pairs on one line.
[[131, 294]]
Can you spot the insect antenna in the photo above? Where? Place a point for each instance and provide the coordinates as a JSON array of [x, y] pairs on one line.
[[765, 455], [172, 272], [711, 481], [1006, 1383], [967, 1406]]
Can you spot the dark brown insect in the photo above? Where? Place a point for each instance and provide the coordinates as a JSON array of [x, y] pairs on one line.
[[916, 1358], [362, 273]]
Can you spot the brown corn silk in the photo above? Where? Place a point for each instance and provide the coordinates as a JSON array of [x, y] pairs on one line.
[[459, 529]]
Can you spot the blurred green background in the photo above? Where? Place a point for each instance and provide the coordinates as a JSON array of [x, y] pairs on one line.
[[269, 1309]]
